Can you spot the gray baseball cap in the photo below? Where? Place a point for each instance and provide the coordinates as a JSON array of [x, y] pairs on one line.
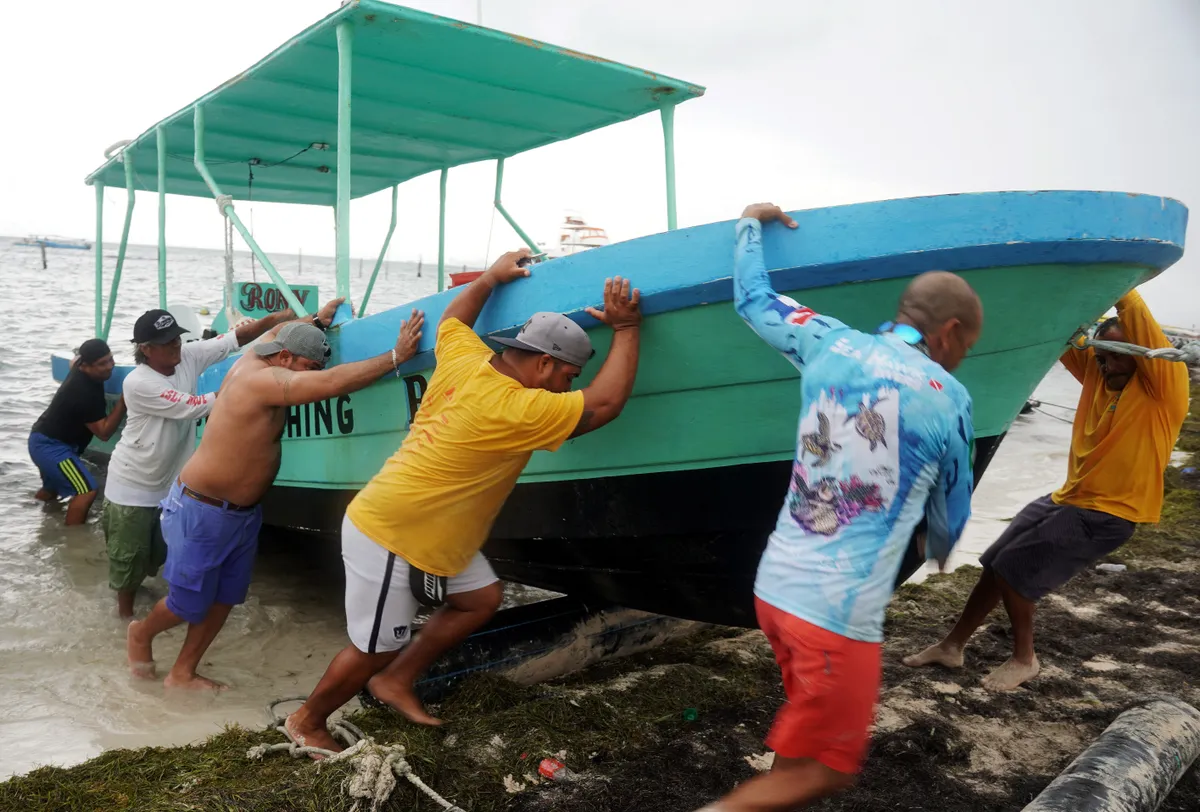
[[555, 335], [298, 338]]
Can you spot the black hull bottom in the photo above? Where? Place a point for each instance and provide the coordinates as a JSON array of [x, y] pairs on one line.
[[684, 544]]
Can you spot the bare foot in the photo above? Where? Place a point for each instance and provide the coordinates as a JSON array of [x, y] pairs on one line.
[[1011, 675], [310, 736], [941, 654], [193, 682], [400, 698], [137, 648]]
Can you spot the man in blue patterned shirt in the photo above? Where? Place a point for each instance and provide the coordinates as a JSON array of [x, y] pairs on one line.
[[884, 440]]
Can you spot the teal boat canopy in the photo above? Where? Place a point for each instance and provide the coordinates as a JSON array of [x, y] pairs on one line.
[[427, 92]]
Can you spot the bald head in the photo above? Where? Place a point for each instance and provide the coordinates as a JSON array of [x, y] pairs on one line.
[[946, 311], [936, 297]]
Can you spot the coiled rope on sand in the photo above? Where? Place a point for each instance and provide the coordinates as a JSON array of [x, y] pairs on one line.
[[375, 767]]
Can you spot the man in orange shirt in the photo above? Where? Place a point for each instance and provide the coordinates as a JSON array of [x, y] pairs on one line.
[[412, 536], [1128, 420]]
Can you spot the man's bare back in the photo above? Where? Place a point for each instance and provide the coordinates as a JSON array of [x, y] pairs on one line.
[[239, 453], [239, 456]]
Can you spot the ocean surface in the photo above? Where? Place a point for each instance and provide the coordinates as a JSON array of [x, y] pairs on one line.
[[66, 692]]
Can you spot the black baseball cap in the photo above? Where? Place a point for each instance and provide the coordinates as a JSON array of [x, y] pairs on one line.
[[156, 327], [92, 350]]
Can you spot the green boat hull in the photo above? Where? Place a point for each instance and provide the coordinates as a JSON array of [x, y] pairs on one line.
[[710, 393]]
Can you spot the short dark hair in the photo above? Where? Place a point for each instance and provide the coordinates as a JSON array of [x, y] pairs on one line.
[[139, 357], [1111, 323]]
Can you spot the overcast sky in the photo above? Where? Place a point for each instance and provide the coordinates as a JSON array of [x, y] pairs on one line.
[[808, 104]]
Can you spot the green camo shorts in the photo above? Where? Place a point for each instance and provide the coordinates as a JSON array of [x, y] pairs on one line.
[[136, 548]]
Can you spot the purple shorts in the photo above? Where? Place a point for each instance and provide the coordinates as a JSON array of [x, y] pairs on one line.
[[210, 553]]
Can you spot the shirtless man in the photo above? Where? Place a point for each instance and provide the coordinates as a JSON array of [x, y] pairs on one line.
[[212, 515]]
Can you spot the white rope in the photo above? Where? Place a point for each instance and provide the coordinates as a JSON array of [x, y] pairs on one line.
[[1188, 353], [1054, 416], [375, 767]]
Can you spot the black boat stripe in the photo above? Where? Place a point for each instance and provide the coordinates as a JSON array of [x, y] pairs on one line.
[[383, 590]]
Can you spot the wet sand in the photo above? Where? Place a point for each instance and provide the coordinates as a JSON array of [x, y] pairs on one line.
[[66, 691]]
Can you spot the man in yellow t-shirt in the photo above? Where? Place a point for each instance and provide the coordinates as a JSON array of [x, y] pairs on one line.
[[1128, 419], [413, 534]]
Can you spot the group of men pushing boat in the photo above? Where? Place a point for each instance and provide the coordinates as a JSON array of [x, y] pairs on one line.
[[884, 444]]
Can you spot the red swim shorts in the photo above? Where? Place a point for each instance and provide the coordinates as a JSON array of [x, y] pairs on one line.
[[832, 685]]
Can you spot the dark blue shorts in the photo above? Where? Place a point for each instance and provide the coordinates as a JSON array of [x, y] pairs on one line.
[[210, 554], [63, 473], [1048, 544]]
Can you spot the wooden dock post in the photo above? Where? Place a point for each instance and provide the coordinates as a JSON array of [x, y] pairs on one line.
[[42, 246]]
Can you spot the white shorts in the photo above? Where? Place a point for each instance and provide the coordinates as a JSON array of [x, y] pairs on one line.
[[380, 606]]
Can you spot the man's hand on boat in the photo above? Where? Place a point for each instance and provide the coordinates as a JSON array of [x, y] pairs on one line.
[[621, 306], [766, 212], [410, 336], [505, 269], [327, 311], [325, 314]]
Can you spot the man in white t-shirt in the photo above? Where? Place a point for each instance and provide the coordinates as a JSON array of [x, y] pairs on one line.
[[160, 435]]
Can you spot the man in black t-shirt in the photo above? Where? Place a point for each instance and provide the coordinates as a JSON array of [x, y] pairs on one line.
[[74, 416]]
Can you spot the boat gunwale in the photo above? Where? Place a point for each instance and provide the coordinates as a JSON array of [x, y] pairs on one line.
[[505, 316]]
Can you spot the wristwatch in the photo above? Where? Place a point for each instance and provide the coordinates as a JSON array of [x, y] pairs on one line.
[[317, 322]]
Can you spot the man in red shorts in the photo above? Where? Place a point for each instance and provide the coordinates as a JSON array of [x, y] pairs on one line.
[[884, 441]]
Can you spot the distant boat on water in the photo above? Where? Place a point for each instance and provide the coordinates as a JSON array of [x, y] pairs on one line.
[[576, 236], [57, 242]]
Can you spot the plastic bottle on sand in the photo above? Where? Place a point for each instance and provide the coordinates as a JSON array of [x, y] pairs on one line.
[[555, 770]]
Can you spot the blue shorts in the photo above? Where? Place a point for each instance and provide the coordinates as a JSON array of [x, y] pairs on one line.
[[210, 554], [63, 473]]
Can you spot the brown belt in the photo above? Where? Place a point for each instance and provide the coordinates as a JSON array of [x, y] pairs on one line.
[[209, 500]]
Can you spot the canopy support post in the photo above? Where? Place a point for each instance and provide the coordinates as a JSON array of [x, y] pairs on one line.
[[161, 139], [504, 212], [225, 203], [131, 198], [442, 234], [99, 247], [345, 45], [668, 125], [362, 308]]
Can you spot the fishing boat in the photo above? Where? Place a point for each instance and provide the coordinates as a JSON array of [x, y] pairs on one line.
[[667, 510], [56, 242]]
